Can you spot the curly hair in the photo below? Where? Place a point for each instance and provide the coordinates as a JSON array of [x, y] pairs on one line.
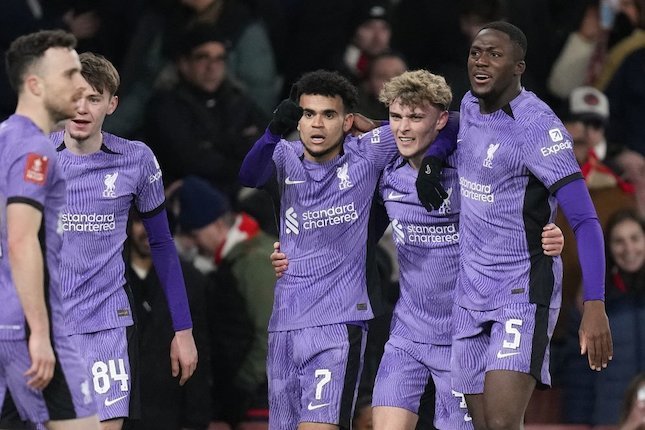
[[328, 84], [29, 49], [416, 88]]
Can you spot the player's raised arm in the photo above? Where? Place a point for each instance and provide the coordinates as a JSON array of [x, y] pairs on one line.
[[257, 166]]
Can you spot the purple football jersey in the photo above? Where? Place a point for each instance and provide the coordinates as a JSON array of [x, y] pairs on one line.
[[101, 189], [428, 253], [30, 174], [323, 229], [511, 162]]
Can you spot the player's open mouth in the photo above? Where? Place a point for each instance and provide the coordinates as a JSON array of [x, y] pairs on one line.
[[406, 139], [80, 121], [482, 77], [317, 138]]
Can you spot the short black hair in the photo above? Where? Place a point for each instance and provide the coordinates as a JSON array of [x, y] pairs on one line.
[[328, 84], [29, 48], [516, 35]]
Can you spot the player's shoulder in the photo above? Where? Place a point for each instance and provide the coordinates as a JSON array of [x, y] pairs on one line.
[[121, 145], [536, 118], [294, 148], [20, 136]]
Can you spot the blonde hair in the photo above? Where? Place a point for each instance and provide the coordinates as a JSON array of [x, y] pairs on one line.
[[416, 88]]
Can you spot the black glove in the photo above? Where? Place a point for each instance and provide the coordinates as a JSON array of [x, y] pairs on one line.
[[285, 117], [429, 188]]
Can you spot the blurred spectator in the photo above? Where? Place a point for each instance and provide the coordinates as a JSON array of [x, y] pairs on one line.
[[205, 124], [604, 164], [633, 414], [240, 303], [381, 69], [623, 81], [157, 40], [371, 37], [572, 67], [165, 405], [594, 398], [251, 58], [589, 112]]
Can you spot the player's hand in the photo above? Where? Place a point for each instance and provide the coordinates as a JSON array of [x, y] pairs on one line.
[[552, 240], [595, 335], [362, 124], [42, 361], [429, 188], [279, 260], [183, 355], [285, 117]]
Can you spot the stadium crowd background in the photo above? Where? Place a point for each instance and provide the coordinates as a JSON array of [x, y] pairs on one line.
[[200, 113]]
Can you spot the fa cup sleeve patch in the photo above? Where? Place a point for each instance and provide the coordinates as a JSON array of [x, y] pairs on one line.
[[36, 168]]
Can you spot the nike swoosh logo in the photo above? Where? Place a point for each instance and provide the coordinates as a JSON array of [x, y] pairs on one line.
[[459, 140], [109, 402], [501, 354], [314, 407], [293, 181], [395, 196]]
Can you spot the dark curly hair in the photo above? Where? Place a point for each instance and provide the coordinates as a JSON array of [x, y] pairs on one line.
[[329, 84]]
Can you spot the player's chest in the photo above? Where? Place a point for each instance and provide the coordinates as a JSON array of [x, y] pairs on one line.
[[489, 152], [341, 182], [107, 188]]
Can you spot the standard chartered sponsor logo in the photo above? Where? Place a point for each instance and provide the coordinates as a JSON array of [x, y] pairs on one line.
[[91, 222], [554, 149], [320, 218], [476, 191], [439, 233]]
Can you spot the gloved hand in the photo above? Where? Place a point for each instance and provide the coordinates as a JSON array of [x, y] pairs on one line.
[[285, 117], [429, 188]]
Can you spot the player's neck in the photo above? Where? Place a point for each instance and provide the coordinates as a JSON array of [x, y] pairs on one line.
[[416, 161], [38, 115], [83, 146], [493, 104]]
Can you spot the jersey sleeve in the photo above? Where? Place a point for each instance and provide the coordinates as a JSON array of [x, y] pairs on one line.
[[30, 172], [150, 192], [378, 146], [549, 153]]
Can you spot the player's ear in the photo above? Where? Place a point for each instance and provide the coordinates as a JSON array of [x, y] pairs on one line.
[[112, 104], [34, 85], [442, 120], [348, 122], [520, 67]]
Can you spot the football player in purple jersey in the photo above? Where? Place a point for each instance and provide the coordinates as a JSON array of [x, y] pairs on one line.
[[515, 166], [107, 175], [39, 365]]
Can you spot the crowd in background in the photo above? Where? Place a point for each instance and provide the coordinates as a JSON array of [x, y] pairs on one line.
[[200, 79]]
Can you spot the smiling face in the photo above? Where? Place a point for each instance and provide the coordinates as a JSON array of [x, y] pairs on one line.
[[414, 128], [627, 245], [494, 69], [323, 126]]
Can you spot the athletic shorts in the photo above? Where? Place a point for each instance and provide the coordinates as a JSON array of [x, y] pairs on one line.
[[313, 375], [67, 396], [514, 337], [111, 357], [405, 377]]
